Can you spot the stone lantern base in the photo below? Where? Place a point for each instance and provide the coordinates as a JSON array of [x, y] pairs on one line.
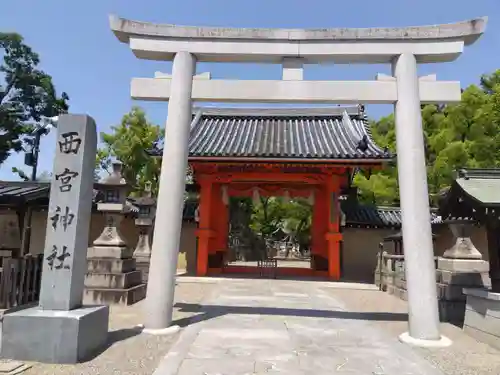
[[143, 266], [452, 276], [112, 278]]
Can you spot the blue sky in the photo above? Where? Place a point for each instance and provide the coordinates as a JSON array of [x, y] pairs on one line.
[[84, 58]]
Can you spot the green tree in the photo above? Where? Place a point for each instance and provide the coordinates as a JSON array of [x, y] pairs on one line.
[[27, 95], [466, 134], [128, 143], [273, 214]]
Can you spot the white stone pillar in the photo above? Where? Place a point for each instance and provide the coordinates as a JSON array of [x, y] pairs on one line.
[[167, 231], [417, 235]]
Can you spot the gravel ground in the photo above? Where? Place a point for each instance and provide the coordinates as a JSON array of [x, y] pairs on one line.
[[131, 353], [466, 356]]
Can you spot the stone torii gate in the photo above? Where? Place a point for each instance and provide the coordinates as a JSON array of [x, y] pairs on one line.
[[403, 48]]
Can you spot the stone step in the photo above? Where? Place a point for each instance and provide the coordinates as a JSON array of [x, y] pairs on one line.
[[113, 280], [101, 265], [109, 296]]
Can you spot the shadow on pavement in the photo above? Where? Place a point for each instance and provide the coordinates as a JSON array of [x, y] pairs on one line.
[[114, 337], [212, 311]]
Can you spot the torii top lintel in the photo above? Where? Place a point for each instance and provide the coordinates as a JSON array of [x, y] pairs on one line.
[[435, 43]]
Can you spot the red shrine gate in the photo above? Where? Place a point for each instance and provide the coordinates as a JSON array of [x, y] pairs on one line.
[[277, 151], [218, 181]]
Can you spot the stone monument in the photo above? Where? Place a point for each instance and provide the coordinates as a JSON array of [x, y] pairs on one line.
[[60, 329], [144, 221], [461, 266], [112, 277]]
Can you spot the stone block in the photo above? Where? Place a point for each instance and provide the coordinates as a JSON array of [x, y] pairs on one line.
[[450, 292], [144, 268], [452, 311], [54, 336], [482, 336], [483, 302], [463, 265], [485, 323], [110, 296], [462, 278], [111, 265], [482, 316], [109, 252], [113, 280]]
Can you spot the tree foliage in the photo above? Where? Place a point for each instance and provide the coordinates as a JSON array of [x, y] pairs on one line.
[[273, 215], [466, 134], [128, 143], [27, 95]]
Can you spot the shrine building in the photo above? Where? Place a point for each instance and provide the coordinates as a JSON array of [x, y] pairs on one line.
[[311, 153]]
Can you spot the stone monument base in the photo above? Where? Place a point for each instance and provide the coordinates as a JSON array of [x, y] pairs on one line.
[[51, 336], [482, 316], [452, 276]]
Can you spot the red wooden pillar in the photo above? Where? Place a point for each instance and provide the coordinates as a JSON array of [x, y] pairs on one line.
[[219, 219], [333, 236], [319, 226], [205, 231], [224, 224]]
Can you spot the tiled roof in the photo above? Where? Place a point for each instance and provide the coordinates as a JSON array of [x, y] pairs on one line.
[[472, 194], [359, 215], [20, 192], [315, 133]]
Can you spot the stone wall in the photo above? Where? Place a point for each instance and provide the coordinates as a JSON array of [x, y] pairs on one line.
[[361, 245], [359, 252], [452, 276]]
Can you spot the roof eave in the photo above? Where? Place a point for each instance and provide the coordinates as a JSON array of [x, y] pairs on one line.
[[244, 159]]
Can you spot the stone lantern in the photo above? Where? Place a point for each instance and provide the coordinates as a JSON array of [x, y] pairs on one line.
[[112, 277], [463, 247], [146, 206], [113, 191], [461, 266]]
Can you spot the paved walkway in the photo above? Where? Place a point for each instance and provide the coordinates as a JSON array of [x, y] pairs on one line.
[[286, 327]]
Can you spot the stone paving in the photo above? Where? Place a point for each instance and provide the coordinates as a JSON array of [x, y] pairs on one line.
[[129, 352], [286, 327], [466, 356]]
